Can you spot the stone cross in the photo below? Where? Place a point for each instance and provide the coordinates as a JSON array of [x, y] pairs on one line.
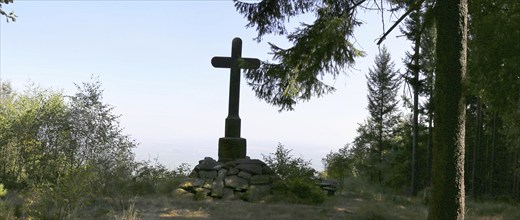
[[232, 146]]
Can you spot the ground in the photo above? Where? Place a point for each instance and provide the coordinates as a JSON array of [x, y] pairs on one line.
[[342, 206]]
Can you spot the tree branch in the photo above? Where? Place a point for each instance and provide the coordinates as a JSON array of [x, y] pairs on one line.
[[414, 7], [11, 15]]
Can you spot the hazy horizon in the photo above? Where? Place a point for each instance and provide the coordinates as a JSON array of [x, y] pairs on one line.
[[153, 59]]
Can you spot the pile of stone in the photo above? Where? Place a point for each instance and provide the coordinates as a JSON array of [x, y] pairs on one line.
[[246, 179]]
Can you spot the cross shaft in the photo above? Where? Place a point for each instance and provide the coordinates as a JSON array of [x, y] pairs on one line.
[[232, 146]]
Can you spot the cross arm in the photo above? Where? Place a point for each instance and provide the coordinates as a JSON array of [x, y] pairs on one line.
[[229, 62]]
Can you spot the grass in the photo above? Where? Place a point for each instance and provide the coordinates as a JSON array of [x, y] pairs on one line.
[[343, 206], [359, 201], [350, 205], [492, 211]]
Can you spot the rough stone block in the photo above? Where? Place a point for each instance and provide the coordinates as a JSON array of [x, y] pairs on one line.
[[207, 164], [191, 183], [236, 183], [250, 161], [222, 174], [244, 175], [204, 174], [201, 194], [207, 184], [181, 193], [230, 164], [250, 168], [218, 189], [228, 193], [233, 171], [239, 195]]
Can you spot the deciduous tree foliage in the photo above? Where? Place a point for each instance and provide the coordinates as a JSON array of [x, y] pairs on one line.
[[46, 138], [338, 165]]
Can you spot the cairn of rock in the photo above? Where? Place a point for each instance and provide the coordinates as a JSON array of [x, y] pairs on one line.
[[246, 179]]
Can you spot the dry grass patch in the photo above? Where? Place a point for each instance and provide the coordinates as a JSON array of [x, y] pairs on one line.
[[342, 206], [492, 211], [337, 207]]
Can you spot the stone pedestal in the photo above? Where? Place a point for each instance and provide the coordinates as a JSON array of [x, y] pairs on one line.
[[245, 179], [231, 148]]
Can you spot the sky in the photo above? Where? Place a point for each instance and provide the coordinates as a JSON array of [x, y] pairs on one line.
[[153, 59]]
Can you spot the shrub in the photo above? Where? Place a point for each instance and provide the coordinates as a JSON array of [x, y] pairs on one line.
[[64, 199], [338, 165], [131, 213], [286, 167], [297, 180], [157, 179], [306, 192]]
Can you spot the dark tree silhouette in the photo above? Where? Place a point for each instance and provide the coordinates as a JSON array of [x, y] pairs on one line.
[[383, 85], [324, 47]]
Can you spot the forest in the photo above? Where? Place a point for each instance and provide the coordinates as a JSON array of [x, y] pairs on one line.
[[66, 156]]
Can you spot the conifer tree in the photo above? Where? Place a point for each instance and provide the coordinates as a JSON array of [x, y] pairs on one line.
[[383, 84], [413, 33], [325, 47]]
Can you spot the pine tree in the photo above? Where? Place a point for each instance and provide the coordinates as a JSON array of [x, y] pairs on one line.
[[383, 85], [324, 47], [413, 33]]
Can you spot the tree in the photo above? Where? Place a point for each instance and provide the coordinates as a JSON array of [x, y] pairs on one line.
[[30, 136], [324, 47], [413, 33], [383, 85], [447, 198], [45, 140], [428, 70], [97, 139], [493, 75], [338, 164], [287, 167]]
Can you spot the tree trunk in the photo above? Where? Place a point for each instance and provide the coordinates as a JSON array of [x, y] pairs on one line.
[[493, 146], [430, 147], [380, 144], [415, 122], [380, 156], [447, 198], [516, 185], [476, 148]]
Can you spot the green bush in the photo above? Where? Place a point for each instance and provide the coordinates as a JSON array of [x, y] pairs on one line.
[[338, 165], [306, 192], [287, 167], [296, 191], [154, 178], [297, 180]]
